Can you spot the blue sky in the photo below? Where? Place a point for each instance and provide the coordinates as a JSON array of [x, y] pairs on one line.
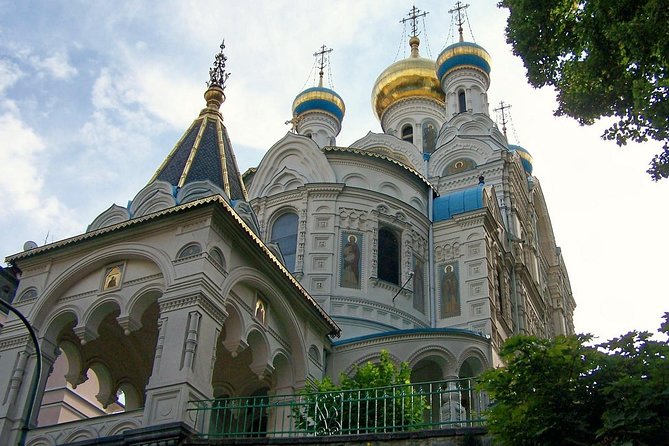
[[93, 95]]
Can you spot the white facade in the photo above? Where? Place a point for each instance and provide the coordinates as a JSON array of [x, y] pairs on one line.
[[431, 240]]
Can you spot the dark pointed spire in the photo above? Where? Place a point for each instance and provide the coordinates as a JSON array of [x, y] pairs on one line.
[[204, 152]]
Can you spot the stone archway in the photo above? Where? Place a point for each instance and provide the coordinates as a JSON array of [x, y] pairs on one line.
[[91, 371]]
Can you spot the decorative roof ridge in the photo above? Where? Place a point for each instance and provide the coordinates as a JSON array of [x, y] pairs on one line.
[[408, 332], [380, 156]]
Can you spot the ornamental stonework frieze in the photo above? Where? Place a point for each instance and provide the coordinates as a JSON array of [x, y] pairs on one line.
[[470, 221], [14, 342], [218, 314], [447, 251], [347, 305], [461, 74], [418, 243], [389, 145], [193, 225], [324, 191], [350, 218]]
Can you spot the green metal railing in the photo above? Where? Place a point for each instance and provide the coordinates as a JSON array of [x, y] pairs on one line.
[[419, 406]]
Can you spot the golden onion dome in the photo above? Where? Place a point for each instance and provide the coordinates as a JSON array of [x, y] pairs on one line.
[[411, 77]]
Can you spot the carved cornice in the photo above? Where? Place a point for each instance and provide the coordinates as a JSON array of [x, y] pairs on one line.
[[464, 73], [193, 300], [377, 306], [471, 219], [414, 336], [9, 344]]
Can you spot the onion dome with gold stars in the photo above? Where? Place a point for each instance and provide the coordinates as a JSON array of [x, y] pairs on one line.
[[408, 78]]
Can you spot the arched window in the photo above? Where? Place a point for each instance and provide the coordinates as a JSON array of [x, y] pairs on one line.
[[389, 256], [407, 133], [29, 294], [462, 102], [217, 256], [189, 250], [284, 234]]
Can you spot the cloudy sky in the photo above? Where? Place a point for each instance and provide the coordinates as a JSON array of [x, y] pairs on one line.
[[93, 95]]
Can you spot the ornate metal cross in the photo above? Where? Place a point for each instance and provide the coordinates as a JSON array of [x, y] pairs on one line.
[[459, 7], [413, 16]]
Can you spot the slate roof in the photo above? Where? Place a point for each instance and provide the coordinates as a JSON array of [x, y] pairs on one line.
[[204, 152]]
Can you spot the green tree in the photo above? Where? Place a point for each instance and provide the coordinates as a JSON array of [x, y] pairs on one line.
[[567, 392], [605, 58], [378, 397]]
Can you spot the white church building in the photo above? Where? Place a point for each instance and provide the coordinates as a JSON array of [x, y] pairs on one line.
[[431, 240]]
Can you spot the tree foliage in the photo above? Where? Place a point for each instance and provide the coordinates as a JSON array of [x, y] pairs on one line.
[[605, 58], [378, 397], [567, 392]]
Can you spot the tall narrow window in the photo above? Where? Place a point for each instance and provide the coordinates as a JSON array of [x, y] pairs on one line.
[[284, 234], [389, 256], [407, 133], [462, 102], [498, 293]]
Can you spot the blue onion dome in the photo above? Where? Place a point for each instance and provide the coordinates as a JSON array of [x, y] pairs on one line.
[[410, 77], [463, 55], [525, 157], [319, 99]]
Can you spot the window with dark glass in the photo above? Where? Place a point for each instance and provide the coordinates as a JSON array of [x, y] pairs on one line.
[[498, 293], [462, 102], [389, 256], [284, 234], [407, 133]]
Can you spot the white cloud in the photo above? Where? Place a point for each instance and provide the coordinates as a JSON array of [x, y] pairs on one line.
[[57, 65], [10, 73], [24, 197], [117, 140]]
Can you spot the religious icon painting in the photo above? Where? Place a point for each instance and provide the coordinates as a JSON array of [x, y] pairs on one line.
[[260, 311], [449, 288], [351, 260], [112, 277]]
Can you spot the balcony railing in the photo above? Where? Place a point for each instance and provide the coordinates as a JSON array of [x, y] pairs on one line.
[[408, 407]]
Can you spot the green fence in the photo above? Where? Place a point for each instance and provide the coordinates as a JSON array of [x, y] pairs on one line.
[[419, 406]]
